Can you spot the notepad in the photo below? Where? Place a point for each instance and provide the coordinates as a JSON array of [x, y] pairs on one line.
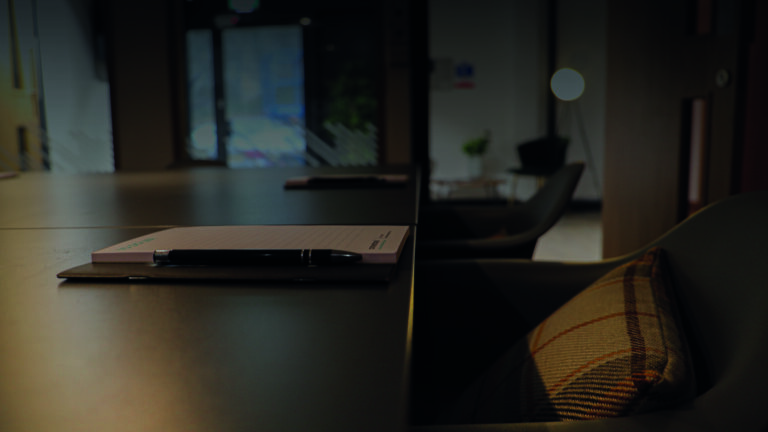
[[346, 181], [377, 244]]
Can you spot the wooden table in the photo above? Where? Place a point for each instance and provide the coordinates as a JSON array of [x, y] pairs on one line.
[[193, 356], [210, 196]]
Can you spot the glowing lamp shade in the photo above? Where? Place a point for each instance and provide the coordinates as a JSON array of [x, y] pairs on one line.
[[567, 84]]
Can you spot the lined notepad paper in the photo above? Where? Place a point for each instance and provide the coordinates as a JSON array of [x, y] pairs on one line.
[[377, 244]]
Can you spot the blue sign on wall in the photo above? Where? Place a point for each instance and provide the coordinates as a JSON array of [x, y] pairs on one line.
[[465, 75]]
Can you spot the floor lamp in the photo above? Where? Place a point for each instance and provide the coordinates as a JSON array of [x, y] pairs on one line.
[[568, 85]]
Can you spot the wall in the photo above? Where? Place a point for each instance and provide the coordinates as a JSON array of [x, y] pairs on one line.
[[581, 46], [755, 155], [505, 42], [142, 90], [657, 63], [21, 143], [77, 104], [57, 66]]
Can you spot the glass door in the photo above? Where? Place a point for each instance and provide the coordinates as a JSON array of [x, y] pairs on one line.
[[303, 91], [258, 118]]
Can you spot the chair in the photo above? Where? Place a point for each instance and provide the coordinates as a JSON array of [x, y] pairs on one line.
[[717, 259], [494, 231], [540, 158]]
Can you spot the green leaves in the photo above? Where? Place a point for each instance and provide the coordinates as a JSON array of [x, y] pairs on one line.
[[476, 146]]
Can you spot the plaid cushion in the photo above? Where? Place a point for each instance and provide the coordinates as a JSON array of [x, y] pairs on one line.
[[614, 349]]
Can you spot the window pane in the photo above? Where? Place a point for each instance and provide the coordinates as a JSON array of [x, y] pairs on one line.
[[248, 83], [264, 88], [200, 82]]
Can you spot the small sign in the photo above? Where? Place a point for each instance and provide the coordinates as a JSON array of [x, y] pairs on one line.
[[465, 75]]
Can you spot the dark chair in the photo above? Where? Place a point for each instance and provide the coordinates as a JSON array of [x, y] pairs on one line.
[[540, 158], [466, 312], [468, 231]]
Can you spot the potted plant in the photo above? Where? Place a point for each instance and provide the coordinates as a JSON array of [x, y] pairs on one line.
[[475, 148]]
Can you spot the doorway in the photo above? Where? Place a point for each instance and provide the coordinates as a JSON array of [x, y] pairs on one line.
[[261, 120], [272, 88]]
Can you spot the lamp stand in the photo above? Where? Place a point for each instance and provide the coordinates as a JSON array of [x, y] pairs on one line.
[[585, 144]]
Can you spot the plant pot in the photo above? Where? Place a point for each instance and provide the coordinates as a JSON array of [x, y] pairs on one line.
[[475, 166]]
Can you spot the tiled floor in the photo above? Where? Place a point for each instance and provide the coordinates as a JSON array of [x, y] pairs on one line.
[[576, 237]]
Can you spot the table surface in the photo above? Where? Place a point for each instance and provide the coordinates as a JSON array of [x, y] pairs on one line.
[[193, 356], [205, 196]]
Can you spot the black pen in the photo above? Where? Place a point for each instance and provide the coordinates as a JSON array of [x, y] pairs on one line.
[[254, 257]]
